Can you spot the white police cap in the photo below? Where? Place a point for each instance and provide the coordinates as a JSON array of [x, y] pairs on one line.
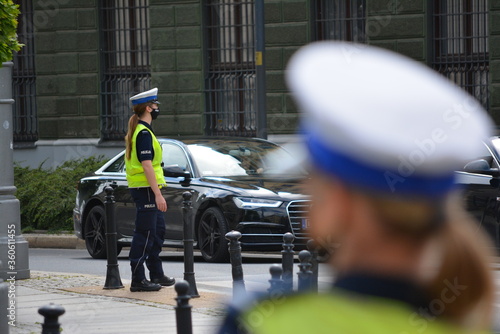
[[381, 121], [147, 96]]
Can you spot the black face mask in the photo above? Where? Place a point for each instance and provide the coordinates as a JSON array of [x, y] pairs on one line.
[[155, 113]]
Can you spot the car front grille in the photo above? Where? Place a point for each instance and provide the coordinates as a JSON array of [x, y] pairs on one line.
[[297, 213]]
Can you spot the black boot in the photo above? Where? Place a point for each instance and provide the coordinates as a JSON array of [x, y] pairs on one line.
[[164, 281], [144, 285]]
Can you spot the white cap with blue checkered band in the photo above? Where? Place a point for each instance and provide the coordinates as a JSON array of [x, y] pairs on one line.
[[147, 96], [381, 121]]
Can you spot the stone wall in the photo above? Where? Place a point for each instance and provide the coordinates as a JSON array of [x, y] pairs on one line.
[[287, 29], [494, 48], [177, 66], [398, 25], [67, 41], [67, 59], [177, 60]]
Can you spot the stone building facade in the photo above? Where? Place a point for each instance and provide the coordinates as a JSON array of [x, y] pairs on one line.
[[84, 58]]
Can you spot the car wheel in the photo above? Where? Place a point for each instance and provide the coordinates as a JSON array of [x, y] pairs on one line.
[[95, 233], [211, 236]]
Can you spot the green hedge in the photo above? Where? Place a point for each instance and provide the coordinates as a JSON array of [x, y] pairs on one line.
[[48, 196]]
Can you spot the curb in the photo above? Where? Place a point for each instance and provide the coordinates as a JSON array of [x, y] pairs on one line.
[[70, 241], [63, 241]]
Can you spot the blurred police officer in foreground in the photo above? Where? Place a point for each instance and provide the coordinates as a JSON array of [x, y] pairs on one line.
[[384, 136], [143, 160]]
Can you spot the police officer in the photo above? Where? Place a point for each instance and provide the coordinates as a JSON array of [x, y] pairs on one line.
[[145, 179], [384, 135]]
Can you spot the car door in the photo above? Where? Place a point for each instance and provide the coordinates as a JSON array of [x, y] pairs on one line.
[[124, 204], [174, 155], [482, 192]]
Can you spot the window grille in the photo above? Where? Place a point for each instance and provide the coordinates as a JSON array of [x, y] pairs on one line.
[[460, 44], [230, 88], [343, 20], [125, 62], [24, 79]]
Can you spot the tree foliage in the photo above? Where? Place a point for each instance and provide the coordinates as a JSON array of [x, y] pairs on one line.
[[8, 30]]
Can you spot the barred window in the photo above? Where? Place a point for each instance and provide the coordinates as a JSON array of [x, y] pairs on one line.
[[125, 62], [460, 44], [24, 79], [339, 20], [230, 88]]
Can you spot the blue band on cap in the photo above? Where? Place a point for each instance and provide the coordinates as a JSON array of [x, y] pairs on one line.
[[362, 175], [145, 99]]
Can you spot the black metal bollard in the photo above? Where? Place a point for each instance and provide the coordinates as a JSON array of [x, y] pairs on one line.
[[113, 280], [51, 313], [183, 309], [287, 255], [188, 235], [276, 283], [236, 263], [305, 273], [313, 249]]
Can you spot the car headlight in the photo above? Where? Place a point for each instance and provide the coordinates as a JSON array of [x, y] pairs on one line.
[[253, 203]]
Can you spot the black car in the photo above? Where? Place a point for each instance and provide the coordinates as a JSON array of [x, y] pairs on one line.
[[236, 184], [480, 179]]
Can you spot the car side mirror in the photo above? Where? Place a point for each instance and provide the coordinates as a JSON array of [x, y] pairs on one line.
[[176, 171], [495, 182], [481, 166], [187, 179]]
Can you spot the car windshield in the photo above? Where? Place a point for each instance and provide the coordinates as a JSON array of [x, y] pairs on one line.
[[242, 158]]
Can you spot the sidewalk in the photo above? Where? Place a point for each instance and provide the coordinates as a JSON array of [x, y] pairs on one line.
[[91, 309]]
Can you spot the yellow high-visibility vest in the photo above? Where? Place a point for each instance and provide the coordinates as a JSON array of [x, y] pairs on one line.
[[339, 313], [135, 173]]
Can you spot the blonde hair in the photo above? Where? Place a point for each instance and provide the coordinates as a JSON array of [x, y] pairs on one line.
[[464, 251], [139, 110]]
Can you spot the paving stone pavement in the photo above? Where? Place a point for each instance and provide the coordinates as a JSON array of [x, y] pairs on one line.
[[91, 309]]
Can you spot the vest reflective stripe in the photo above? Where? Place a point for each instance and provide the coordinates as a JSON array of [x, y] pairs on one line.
[[338, 313], [135, 173]]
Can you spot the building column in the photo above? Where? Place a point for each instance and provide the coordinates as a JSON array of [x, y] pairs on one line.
[[13, 247]]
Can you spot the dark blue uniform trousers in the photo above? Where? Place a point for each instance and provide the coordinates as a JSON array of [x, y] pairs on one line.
[[148, 236]]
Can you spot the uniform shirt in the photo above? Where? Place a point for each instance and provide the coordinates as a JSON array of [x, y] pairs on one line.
[[355, 286], [386, 287], [144, 144]]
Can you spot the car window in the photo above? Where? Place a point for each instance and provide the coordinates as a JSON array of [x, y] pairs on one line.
[[486, 155], [174, 155], [241, 158], [214, 163], [117, 166]]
